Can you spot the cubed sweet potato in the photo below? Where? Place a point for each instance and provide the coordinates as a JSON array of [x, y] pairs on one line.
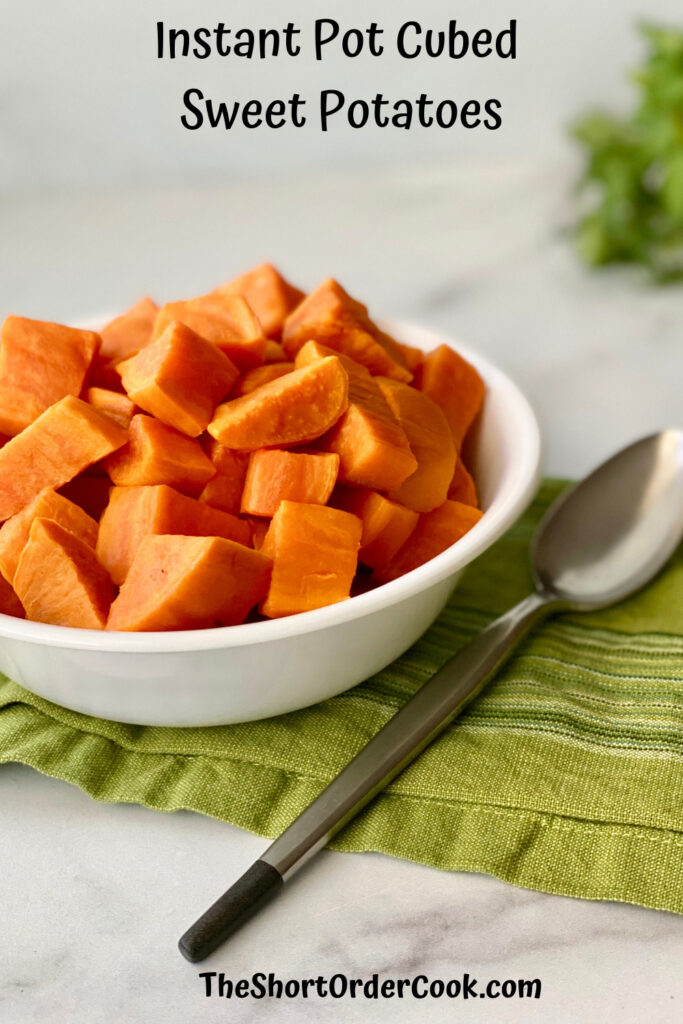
[[63, 441], [314, 550], [294, 409], [59, 580], [156, 454], [455, 386], [189, 583], [269, 295], [431, 443], [40, 363], [137, 512], [128, 333], [462, 487], [180, 378], [48, 504], [111, 403], [226, 320], [274, 476], [331, 316], [260, 375], [224, 490], [434, 532], [386, 524]]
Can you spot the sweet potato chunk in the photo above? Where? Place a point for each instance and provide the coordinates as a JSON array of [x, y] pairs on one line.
[[226, 320], [156, 454], [274, 476], [434, 532], [431, 442], [69, 436], [14, 533], [189, 583], [111, 403], [130, 332], [455, 386], [269, 295], [275, 353], [224, 490], [462, 486], [294, 409], [179, 378], [260, 375], [59, 580], [331, 316], [315, 552], [372, 446], [39, 364], [386, 524], [136, 512], [9, 602]]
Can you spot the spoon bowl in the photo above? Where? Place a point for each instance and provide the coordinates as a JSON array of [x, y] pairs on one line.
[[608, 535]]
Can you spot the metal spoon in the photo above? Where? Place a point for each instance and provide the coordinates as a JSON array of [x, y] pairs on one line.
[[598, 543]]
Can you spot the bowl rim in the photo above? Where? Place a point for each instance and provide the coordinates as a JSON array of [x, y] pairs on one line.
[[504, 510]]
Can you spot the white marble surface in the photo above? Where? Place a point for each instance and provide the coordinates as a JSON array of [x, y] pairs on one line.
[[94, 896]]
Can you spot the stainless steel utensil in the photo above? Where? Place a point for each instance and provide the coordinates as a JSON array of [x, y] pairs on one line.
[[599, 542]]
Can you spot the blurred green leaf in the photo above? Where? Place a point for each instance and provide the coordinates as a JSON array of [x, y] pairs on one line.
[[633, 174]]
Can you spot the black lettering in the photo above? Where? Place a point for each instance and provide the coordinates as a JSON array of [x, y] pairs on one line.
[[242, 988], [378, 104], [252, 114], [322, 40], [376, 49], [160, 54], [289, 31], [512, 45], [184, 36], [401, 39], [338, 986], [188, 104], [292, 988], [275, 114], [296, 103], [326, 110], [469, 986], [222, 112], [529, 988], [469, 114], [481, 43], [258, 989], [458, 40], [206, 975], [364, 112], [244, 43], [202, 47], [453, 988], [494, 120], [353, 36], [264, 35], [419, 993], [423, 102], [222, 34], [491, 989], [224, 986], [446, 114]]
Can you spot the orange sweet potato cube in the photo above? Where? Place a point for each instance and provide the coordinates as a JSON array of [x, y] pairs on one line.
[[455, 386], [314, 550], [189, 583], [180, 378], [386, 524], [63, 441], [275, 475], [224, 490], [40, 363], [48, 504], [269, 295], [371, 444], [293, 409], [331, 316], [111, 403], [431, 443], [226, 320], [434, 532], [134, 513], [59, 580], [130, 332], [156, 454]]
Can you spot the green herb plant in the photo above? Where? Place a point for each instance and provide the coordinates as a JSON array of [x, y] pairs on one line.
[[633, 180]]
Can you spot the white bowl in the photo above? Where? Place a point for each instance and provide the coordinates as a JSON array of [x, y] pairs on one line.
[[238, 673]]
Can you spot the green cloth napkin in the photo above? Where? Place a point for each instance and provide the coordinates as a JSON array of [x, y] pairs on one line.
[[565, 775]]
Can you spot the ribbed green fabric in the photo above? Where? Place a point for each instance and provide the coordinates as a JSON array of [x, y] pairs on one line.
[[566, 775]]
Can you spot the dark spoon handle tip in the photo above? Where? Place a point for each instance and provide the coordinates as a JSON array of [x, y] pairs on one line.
[[249, 893]]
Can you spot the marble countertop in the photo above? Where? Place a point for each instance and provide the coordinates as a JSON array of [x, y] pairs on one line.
[[94, 895]]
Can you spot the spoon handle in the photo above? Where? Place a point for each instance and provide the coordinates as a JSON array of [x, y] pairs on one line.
[[405, 736]]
